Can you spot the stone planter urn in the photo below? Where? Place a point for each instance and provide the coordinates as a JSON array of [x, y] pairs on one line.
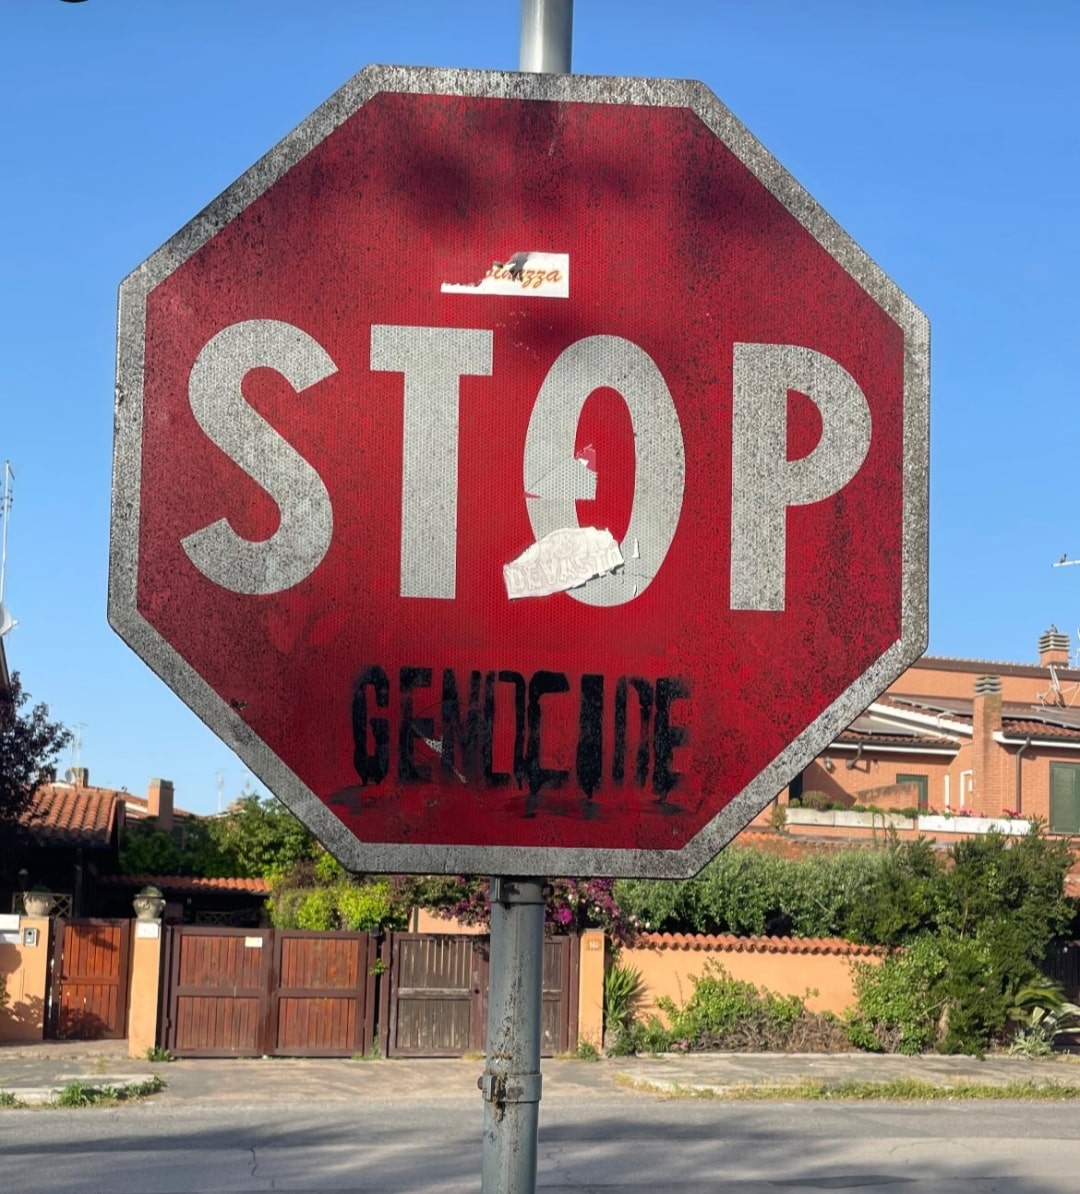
[[149, 904], [38, 903]]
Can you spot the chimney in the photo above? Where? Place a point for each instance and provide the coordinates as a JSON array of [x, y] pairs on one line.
[[159, 803], [987, 756], [1053, 648]]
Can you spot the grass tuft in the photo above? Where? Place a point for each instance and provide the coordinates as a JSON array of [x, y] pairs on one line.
[[85, 1094], [853, 1090]]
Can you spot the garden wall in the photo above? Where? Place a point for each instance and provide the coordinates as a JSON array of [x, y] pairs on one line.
[[24, 967], [784, 965]]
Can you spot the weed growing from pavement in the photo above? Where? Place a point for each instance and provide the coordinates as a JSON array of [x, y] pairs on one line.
[[86, 1094], [156, 1053], [894, 1090], [7, 1099]]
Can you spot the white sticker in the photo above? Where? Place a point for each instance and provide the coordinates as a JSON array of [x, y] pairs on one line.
[[253, 942], [562, 560], [147, 928], [534, 275]]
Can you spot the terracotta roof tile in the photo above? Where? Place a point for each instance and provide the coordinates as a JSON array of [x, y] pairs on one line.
[[1040, 729], [761, 945], [63, 815], [169, 883], [872, 737]]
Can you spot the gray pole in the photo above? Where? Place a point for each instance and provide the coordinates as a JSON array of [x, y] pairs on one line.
[[511, 1078], [546, 36]]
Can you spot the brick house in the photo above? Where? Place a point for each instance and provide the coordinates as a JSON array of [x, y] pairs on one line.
[[965, 737]]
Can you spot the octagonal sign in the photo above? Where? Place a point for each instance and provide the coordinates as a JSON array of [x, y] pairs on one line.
[[521, 473]]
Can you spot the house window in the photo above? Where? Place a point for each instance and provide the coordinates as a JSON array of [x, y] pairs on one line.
[[923, 783], [1064, 798], [795, 789]]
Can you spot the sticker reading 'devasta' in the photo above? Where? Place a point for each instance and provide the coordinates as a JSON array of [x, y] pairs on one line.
[[537, 275], [562, 560]]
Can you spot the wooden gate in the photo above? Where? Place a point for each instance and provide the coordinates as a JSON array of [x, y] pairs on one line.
[[438, 995], [249, 993], [91, 960], [438, 991]]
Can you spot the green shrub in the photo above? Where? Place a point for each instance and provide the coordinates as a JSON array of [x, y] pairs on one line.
[[895, 1009], [623, 990], [650, 1036], [903, 897], [941, 992], [720, 1004], [317, 909], [327, 868], [366, 908], [749, 892]]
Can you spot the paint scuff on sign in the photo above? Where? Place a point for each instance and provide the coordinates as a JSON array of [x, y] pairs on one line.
[[561, 560]]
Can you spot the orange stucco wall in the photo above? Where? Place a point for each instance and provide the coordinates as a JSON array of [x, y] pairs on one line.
[[428, 922], [668, 964], [24, 969]]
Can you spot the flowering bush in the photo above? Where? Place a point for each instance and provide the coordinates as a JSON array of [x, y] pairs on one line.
[[572, 904]]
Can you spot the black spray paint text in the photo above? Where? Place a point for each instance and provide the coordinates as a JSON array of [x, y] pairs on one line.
[[640, 741]]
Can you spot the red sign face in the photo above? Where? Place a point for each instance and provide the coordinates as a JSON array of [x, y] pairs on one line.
[[515, 480]]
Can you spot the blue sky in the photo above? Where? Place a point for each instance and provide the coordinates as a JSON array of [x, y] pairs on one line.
[[944, 136]]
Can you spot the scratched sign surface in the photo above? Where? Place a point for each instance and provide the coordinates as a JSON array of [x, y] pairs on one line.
[[522, 473]]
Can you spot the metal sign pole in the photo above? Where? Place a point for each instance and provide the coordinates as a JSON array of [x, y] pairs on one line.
[[546, 36], [511, 1078]]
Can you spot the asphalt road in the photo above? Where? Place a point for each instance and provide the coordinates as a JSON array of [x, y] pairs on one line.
[[592, 1143]]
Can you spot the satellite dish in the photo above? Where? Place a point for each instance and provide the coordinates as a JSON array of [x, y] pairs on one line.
[[69, 776], [7, 622]]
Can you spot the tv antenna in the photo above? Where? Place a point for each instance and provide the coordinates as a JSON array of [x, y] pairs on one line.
[[77, 743], [7, 622]]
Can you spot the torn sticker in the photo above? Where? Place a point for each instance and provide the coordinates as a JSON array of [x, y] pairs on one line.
[[537, 275], [587, 457], [562, 560]]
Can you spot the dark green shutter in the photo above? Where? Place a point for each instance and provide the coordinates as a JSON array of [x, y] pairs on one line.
[[1064, 798], [924, 787]]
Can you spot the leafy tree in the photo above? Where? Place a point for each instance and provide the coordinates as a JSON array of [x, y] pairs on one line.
[[29, 745], [987, 922], [903, 899], [257, 839], [147, 850], [254, 839]]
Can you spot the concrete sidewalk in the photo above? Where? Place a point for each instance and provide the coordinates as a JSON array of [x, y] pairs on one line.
[[35, 1073]]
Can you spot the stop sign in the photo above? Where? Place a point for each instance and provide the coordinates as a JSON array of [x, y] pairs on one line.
[[521, 473]]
